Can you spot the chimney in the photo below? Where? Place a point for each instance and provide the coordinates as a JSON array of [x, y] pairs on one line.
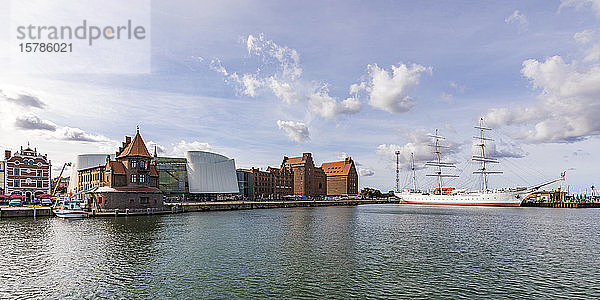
[[7, 154], [127, 140], [107, 159]]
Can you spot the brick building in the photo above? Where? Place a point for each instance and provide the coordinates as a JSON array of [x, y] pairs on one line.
[[308, 180], [27, 173], [273, 183], [130, 181], [342, 178]]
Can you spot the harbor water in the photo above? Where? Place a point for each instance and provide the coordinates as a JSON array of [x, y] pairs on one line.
[[373, 251]]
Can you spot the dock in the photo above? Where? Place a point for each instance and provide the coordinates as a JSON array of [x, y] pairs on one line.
[[25, 211], [186, 207], [562, 204]]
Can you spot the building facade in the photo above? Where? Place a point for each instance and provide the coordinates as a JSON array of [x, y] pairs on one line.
[[342, 178], [172, 177], [27, 173], [130, 181], [245, 184], [262, 184], [308, 180], [2, 187], [89, 178]]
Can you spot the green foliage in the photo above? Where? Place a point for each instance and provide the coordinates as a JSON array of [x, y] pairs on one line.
[[373, 193]]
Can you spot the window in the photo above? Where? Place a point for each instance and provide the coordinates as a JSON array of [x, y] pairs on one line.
[[134, 163], [17, 183], [17, 172], [133, 178], [142, 177], [142, 164], [39, 173], [143, 200], [17, 162], [40, 184]]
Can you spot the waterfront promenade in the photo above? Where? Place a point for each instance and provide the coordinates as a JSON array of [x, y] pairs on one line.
[[183, 207]]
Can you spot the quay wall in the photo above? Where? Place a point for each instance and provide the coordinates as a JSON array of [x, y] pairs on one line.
[[21, 212]]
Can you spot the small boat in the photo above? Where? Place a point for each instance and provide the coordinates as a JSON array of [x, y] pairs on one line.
[[70, 209]]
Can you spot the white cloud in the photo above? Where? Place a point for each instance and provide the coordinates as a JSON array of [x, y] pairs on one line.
[[392, 91], [296, 131], [584, 37], [418, 144], [328, 107], [499, 149], [23, 100], [592, 53], [578, 4], [365, 172], [282, 75], [160, 149], [567, 109], [33, 122], [184, 146], [448, 98], [76, 134], [519, 19], [458, 87]]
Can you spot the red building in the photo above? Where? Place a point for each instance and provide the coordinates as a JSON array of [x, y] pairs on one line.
[[342, 178], [130, 181], [27, 173], [308, 180]]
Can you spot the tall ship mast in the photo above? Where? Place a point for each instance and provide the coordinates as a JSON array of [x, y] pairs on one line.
[[450, 196], [438, 163]]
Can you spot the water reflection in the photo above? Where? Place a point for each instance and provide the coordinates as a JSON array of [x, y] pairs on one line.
[[376, 251]]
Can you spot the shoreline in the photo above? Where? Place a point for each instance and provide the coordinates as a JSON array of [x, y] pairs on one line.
[[177, 208]]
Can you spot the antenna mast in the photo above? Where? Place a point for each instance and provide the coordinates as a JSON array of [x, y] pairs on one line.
[[481, 157]]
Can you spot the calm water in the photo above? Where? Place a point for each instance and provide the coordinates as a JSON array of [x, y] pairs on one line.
[[375, 251]]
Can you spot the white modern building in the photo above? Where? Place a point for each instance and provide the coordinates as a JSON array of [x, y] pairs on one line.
[[211, 173]]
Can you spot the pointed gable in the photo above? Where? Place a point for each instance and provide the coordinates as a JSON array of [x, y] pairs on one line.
[[338, 167], [136, 147]]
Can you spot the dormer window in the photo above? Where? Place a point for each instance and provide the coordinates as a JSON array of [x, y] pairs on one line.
[[134, 163]]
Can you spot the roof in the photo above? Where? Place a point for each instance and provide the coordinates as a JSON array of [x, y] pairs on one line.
[[337, 167], [153, 171], [137, 189], [117, 167], [294, 160], [135, 148]]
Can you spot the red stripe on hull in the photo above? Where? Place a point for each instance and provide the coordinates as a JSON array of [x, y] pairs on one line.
[[466, 204]]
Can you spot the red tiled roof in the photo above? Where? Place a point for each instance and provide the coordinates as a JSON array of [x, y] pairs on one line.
[[117, 167], [135, 148], [294, 160], [337, 168]]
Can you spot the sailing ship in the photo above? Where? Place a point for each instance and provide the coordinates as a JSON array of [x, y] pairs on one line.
[[451, 196]]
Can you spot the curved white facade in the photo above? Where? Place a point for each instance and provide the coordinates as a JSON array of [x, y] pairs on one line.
[[211, 173], [85, 161]]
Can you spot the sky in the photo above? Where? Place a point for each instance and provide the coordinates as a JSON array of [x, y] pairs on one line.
[[259, 80]]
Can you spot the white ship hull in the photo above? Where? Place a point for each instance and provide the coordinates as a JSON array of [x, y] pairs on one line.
[[70, 214], [490, 198]]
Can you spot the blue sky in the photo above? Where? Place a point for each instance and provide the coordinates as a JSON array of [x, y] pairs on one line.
[[530, 67]]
